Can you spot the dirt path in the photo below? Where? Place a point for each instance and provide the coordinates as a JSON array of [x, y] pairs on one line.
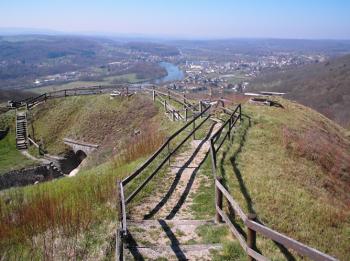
[[163, 225], [173, 199]]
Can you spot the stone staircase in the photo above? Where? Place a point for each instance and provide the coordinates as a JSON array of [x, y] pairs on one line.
[[170, 240], [21, 130], [163, 226]]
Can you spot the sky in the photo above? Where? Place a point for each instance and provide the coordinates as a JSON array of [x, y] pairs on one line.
[[310, 19]]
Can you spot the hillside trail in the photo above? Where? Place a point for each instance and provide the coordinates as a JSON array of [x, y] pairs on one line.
[[163, 226]]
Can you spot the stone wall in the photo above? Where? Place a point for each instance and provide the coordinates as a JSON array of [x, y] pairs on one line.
[[28, 176], [3, 133]]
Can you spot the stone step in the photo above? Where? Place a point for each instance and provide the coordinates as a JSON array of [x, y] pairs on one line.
[[168, 232], [172, 252]]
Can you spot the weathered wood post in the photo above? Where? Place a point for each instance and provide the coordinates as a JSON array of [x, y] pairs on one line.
[[218, 201], [65, 93], [184, 101], [169, 150], [154, 95], [169, 95], [165, 107], [251, 236], [173, 116], [240, 113], [118, 236], [186, 114], [194, 127], [229, 131], [201, 108], [213, 158]]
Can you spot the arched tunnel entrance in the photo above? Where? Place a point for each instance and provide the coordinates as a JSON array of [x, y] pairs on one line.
[[72, 160], [81, 155]]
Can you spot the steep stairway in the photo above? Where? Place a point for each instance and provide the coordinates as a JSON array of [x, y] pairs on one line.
[[21, 130], [163, 226]]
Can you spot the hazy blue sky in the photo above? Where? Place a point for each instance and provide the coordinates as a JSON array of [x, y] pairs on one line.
[[185, 18]]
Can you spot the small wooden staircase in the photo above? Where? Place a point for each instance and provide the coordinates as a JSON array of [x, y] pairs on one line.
[[21, 130]]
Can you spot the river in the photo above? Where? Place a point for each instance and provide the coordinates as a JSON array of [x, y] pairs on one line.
[[174, 73]]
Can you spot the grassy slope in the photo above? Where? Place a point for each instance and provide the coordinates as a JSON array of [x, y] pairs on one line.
[[76, 217], [290, 192], [10, 157], [94, 119]]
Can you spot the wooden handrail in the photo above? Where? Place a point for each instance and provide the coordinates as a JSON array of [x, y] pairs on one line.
[[121, 232], [288, 242], [230, 199], [252, 225], [51, 94], [123, 209], [138, 189], [240, 238], [183, 102], [144, 165], [284, 240]]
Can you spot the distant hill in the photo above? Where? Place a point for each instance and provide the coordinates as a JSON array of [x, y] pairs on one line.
[[324, 87]]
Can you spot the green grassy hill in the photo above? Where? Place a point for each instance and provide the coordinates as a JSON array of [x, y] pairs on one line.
[[110, 123], [76, 217], [291, 167], [323, 86]]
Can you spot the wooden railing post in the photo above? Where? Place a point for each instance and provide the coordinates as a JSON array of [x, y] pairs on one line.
[[194, 127], [229, 132], [186, 114], [218, 201], [154, 95], [213, 158], [201, 108], [168, 150], [119, 240], [173, 117], [251, 236], [165, 107], [240, 113]]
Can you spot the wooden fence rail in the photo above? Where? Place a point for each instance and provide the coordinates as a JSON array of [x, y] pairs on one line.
[[122, 227], [252, 226], [90, 90], [186, 103]]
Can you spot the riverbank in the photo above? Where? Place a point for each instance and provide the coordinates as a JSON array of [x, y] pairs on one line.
[[174, 73]]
